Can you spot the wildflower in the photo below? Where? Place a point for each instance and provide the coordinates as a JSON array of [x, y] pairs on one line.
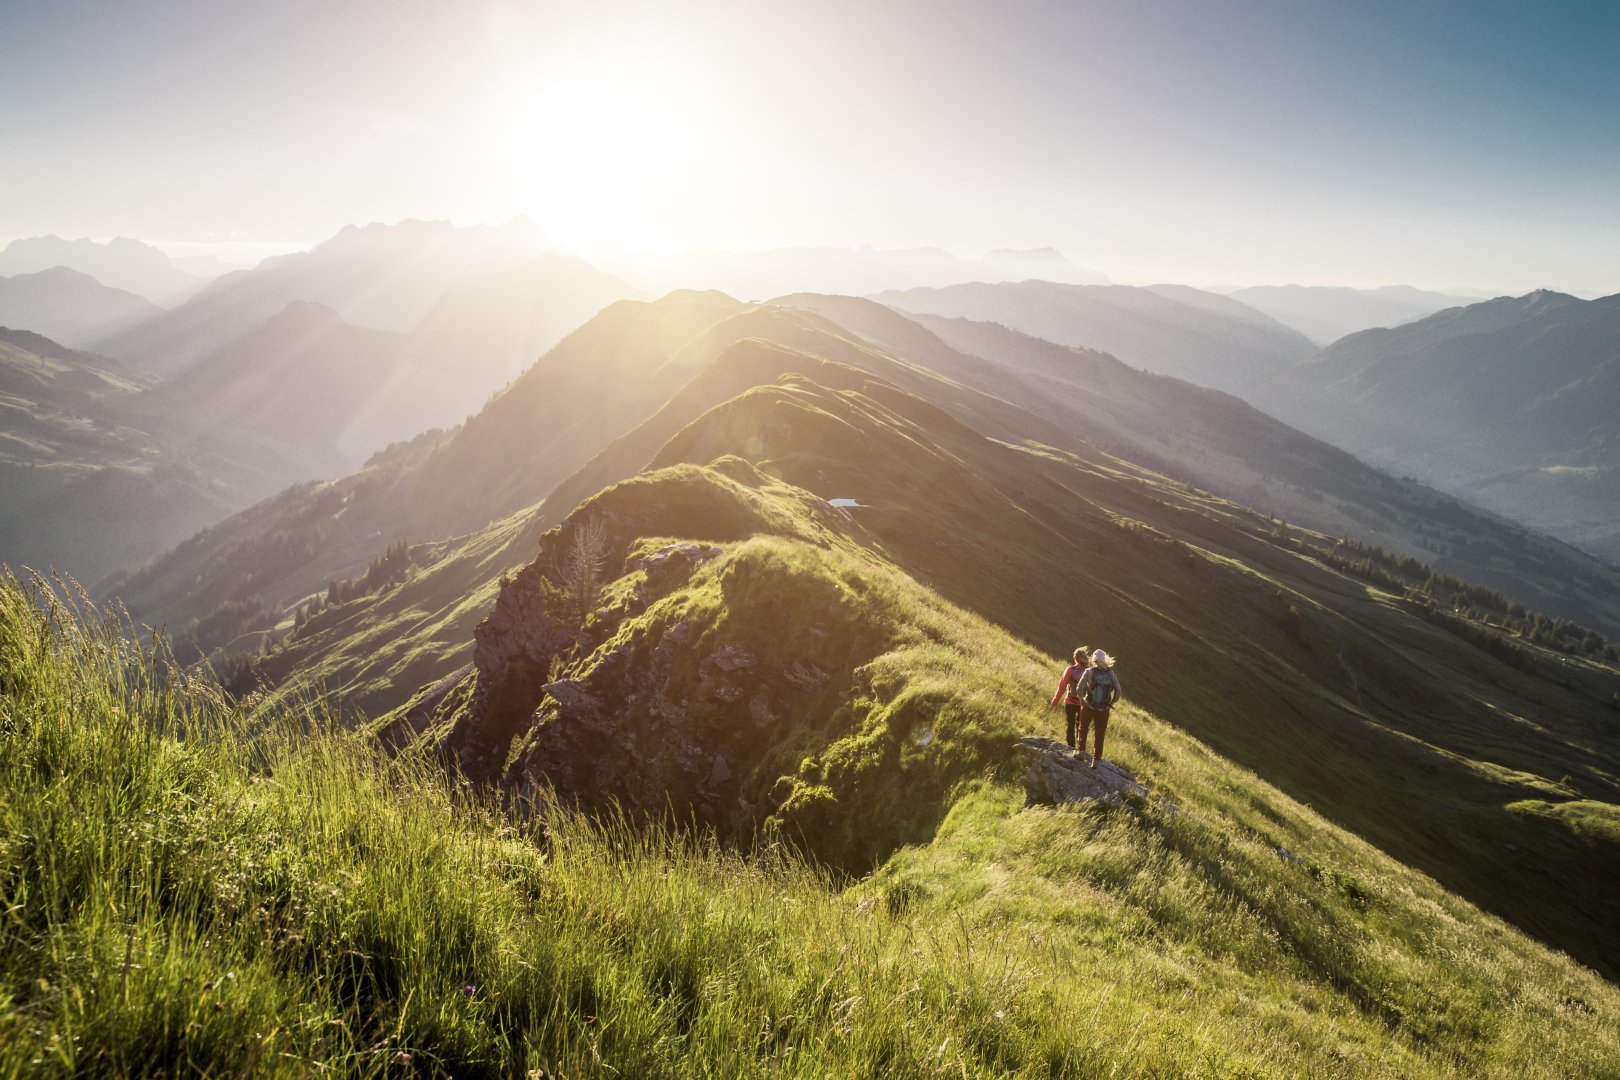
[[469, 988], [402, 1058]]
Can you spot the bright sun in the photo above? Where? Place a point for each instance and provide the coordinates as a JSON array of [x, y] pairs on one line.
[[599, 149]]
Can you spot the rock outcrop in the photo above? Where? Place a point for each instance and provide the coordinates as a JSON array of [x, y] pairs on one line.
[[1055, 774]]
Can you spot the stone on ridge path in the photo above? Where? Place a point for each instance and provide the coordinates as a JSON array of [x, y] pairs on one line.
[[1055, 774]]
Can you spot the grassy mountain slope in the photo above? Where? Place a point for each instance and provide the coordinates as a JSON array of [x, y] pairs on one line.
[[1511, 403], [1355, 692], [1201, 342], [1366, 704], [257, 894], [1223, 444]]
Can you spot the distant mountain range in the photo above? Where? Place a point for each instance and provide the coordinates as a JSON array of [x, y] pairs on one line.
[[1174, 330], [71, 307], [387, 277], [258, 397], [1513, 403], [1228, 446], [1325, 314], [121, 263], [760, 274], [83, 486]]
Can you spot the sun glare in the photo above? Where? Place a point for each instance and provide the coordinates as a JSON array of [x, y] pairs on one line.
[[599, 149]]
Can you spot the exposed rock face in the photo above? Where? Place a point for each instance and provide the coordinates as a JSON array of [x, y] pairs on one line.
[[512, 657], [1055, 774], [583, 734]]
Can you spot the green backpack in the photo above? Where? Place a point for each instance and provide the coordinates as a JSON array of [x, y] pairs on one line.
[[1099, 695]]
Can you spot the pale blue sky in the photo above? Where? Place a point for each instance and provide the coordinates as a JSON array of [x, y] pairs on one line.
[[1440, 144]]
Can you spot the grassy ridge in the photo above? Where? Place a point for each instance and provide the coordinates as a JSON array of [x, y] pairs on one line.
[[192, 888]]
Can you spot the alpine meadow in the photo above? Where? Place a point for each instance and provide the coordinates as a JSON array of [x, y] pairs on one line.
[[810, 540]]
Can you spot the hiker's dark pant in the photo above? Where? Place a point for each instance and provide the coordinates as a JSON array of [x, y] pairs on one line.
[[1071, 710], [1089, 717]]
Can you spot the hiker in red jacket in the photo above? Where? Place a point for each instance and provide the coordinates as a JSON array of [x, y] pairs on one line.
[[1068, 692]]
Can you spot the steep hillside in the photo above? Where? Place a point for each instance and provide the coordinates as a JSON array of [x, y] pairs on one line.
[[1325, 314], [1511, 403], [1211, 341], [1221, 443], [252, 896], [70, 307]]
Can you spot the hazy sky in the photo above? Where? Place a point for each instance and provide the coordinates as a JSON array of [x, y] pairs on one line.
[[1358, 143]]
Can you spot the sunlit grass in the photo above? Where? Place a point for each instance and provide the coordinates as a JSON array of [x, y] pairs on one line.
[[193, 888]]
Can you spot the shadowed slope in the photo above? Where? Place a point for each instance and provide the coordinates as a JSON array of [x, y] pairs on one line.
[[1227, 446]]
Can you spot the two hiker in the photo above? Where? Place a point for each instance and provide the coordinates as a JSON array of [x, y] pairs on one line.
[[1087, 693]]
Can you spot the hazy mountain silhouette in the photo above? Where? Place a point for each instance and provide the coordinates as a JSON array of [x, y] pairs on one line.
[[1325, 314], [71, 307], [120, 263], [329, 393], [383, 276], [1513, 403], [504, 321], [300, 395], [1169, 330], [760, 274], [72, 462]]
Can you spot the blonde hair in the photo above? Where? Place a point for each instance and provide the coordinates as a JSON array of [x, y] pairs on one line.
[[1102, 660]]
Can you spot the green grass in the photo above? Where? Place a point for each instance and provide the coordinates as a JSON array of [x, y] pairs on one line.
[[193, 889]]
